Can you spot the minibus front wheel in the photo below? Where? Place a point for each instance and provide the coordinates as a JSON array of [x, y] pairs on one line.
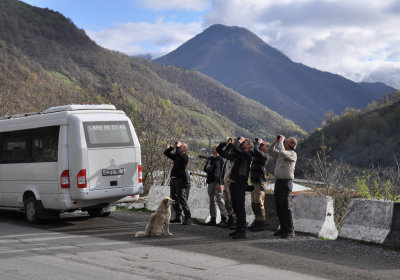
[[31, 210]]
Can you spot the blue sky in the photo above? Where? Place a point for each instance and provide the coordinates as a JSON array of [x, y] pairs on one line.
[[96, 15], [359, 39]]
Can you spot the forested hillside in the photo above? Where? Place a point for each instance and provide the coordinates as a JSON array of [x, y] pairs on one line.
[[243, 111], [361, 138], [46, 60]]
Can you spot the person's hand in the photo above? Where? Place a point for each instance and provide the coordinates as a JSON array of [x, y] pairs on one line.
[[178, 144], [229, 140], [173, 145], [208, 166], [241, 140], [220, 188], [260, 141], [282, 138]]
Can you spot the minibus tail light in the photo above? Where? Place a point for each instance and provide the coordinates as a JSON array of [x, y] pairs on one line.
[[64, 179], [81, 179], [140, 174]]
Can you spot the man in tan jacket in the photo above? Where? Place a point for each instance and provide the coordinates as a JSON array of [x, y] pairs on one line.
[[286, 159]]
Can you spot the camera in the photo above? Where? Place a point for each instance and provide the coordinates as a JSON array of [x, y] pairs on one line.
[[278, 137], [256, 139]]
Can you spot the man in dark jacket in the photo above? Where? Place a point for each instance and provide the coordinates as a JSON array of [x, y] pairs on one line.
[[224, 150], [179, 181], [257, 177], [239, 176], [213, 168]]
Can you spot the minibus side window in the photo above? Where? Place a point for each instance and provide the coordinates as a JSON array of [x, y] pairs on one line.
[[30, 145], [13, 148], [45, 145]]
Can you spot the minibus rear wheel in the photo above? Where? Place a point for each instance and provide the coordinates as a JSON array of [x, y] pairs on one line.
[[31, 210]]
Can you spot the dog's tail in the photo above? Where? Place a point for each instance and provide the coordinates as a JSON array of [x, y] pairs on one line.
[[140, 234]]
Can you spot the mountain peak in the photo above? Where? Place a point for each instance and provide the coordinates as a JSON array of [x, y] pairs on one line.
[[244, 62]]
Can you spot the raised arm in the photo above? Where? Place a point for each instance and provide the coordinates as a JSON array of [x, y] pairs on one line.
[[168, 153], [239, 154], [288, 155], [220, 149], [258, 152], [183, 156]]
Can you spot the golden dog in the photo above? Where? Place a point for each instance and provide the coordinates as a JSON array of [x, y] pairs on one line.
[[159, 221]]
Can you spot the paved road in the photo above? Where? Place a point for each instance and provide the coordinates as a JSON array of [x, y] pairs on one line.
[[78, 247]]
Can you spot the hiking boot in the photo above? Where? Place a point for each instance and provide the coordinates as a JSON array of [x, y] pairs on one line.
[[187, 221], [228, 223], [177, 219], [288, 235], [252, 225], [233, 232], [239, 235], [258, 226], [211, 222], [223, 222], [233, 226]]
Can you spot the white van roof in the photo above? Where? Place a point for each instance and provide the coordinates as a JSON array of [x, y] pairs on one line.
[[75, 107]]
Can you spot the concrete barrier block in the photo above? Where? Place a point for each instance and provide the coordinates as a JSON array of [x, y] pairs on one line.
[[314, 214], [199, 204], [198, 201], [271, 218], [311, 214], [368, 220], [393, 238], [155, 195]]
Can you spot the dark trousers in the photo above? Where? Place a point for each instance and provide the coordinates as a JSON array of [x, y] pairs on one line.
[[283, 204], [238, 194], [179, 193]]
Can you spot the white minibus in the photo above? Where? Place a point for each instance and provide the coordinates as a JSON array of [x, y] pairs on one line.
[[68, 158]]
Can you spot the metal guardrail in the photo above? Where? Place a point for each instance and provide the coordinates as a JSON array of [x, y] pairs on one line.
[[300, 181]]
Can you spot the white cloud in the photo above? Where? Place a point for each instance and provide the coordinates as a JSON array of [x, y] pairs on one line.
[[358, 39], [142, 37], [189, 5]]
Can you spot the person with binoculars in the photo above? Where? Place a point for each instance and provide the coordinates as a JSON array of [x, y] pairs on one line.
[[286, 157], [213, 169], [179, 181], [238, 186], [258, 179], [224, 150]]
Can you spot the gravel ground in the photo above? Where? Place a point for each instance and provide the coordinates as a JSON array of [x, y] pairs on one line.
[[338, 259]]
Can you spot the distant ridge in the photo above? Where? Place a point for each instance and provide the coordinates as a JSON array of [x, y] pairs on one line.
[[379, 89], [242, 61]]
